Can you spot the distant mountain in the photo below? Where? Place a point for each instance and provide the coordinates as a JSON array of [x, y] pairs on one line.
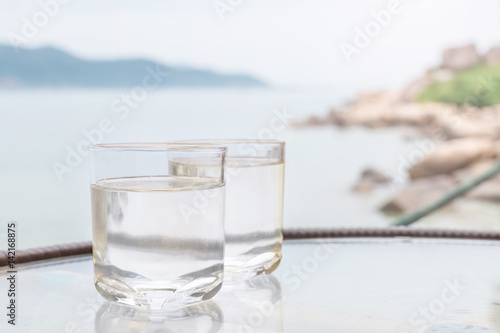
[[51, 67]]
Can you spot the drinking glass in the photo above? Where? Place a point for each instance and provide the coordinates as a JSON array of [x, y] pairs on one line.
[[158, 222], [254, 175]]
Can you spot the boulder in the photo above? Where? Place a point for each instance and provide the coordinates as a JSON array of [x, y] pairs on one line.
[[473, 170], [442, 74], [363, 186], [471, 128], [419, 193], [338, 118], [488, 191], [386, 109], [410, 114], [453, 155], [374, 176], [312, 121], [369, 179], [396, 114], [382, 114], [488, 114], [411, 92], [460, 57], [492, 56]]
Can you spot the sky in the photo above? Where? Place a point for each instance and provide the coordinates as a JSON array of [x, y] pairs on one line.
[[284, 42]]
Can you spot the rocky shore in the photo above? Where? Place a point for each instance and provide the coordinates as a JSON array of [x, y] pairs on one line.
[[461, 140]]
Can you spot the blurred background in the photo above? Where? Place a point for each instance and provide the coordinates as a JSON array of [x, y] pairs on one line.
[[384, 105]]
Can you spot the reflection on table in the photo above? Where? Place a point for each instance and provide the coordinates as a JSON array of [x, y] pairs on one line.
[[252, 305], [200, 318], [355, 286]]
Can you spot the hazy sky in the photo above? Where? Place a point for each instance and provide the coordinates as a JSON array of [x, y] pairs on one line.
[[286, 42]]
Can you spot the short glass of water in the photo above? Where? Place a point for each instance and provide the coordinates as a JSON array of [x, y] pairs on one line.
[[158, 222]]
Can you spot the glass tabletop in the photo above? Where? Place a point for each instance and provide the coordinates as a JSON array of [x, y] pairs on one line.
[[348, 286]]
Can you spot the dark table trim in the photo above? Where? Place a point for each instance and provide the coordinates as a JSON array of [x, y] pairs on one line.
[[67, 250]]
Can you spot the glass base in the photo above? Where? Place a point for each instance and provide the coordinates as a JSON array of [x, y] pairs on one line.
[[236, 270], [159, 298]]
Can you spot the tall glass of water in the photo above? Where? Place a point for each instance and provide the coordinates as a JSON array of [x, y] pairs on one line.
[[254, 205], [158, 222]]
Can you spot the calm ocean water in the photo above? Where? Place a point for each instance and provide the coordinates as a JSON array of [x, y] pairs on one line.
[[45, 130]]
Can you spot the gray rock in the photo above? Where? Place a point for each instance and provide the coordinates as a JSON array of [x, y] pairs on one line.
[[492, 56], [374, 176], [419, 193], [410, 93], [370, 178], [472, 128], [363, 186], [453, 155], [473, 170], [460, 57], [488, 191]]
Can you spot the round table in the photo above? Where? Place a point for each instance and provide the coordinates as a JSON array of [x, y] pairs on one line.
[[350, 285]]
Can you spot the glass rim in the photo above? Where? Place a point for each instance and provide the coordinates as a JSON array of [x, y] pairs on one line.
[[232, 141], [158, 146]]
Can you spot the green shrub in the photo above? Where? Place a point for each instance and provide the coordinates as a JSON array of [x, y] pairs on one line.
[[477, 86]]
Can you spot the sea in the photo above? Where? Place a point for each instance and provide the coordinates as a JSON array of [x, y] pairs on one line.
[[44, 167]]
